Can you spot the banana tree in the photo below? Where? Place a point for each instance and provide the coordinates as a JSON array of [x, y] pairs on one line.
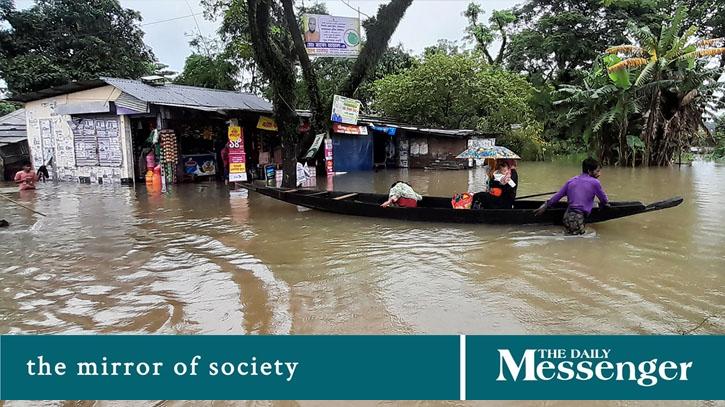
[[672, 80], [601, 107]]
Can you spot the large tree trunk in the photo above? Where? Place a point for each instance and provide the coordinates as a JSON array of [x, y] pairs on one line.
[[318, 123], [277, 64]]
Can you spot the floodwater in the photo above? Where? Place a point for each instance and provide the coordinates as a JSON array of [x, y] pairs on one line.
[[203, 260]]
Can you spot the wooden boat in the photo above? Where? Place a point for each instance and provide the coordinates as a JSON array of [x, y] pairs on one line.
[[438, 209]]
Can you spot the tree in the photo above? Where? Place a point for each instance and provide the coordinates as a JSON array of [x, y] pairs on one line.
[[208, 67], [276, 38], [57, 41], [7, 107], [212, 72], [456, 91], [676, 86], [601, 109], [485, 35], [330, 70], [557, 40]]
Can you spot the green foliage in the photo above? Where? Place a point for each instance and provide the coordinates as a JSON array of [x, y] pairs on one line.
[[719, 136], [208, 67], [485, 35], [526, 141], [213, 72], [57, 41], [330, 70], [671, 91], [7, 107], [455, 91]]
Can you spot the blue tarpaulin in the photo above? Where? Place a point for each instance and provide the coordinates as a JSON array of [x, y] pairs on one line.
[[352, 153]]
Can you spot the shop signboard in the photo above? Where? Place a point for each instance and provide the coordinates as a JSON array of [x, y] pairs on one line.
[[331, 36], [347, 129], [237, 156], [266, 123], [345, 110]]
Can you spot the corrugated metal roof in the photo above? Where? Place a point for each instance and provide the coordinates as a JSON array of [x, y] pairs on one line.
[[12, 127], [190, 96], [14, 119]]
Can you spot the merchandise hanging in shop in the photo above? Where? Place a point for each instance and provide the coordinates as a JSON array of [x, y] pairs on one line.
[[169, 155]]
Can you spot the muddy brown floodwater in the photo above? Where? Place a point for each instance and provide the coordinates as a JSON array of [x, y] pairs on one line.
[[201, 260]]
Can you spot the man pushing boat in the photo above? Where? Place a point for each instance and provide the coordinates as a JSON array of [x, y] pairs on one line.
[[580, 192]]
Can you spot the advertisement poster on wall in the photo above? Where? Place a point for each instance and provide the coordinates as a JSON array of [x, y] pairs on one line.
[[237, 156], [331, 36]]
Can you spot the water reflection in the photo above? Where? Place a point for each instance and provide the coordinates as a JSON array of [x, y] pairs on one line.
[[202, 259]]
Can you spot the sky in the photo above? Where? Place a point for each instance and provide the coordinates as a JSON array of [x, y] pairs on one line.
[[425, 22], [168, 24]]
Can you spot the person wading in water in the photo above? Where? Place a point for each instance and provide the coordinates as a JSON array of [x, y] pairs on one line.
[[26, 177], [580, 192]]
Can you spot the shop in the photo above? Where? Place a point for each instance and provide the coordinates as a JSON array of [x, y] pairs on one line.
[[352, 147], [378, 143], [114, 130]]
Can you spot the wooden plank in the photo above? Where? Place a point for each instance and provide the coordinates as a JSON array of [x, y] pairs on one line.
[[339, 198]]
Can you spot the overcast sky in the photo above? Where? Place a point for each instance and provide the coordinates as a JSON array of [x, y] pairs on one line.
[[168, 24]]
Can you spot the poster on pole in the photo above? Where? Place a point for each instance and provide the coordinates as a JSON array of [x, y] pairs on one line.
[[331, 36], [345, 110], [237, 156], [329, 166], [315, 147]]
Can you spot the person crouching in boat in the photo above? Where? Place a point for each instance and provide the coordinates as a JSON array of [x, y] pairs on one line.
[[580, 192], [501, 193], [402, 194]]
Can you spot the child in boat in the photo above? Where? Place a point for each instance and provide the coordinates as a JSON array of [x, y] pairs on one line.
[[402, 194], [501, 193], [580, 192]]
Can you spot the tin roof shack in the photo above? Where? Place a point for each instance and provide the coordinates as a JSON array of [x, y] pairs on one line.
[[410, 146], [13, 144], [97, 130]]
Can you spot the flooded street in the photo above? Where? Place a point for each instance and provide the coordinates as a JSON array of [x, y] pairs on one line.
[[197, 260]]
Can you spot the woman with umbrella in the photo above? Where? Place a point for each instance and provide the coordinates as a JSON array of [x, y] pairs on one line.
[[503, 182], [502, 191]]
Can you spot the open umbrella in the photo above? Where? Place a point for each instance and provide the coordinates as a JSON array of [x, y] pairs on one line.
[[495, 152]]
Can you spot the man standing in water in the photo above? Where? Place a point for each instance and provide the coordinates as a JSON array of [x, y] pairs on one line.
[[580, 192], [26, 177]]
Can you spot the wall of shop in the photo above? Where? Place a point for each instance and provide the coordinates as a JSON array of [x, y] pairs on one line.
[[424, 150], [94, 148]]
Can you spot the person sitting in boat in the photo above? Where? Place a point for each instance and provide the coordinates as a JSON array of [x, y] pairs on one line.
[[514, 177], [580, 192], [402, 194], [501, 193]]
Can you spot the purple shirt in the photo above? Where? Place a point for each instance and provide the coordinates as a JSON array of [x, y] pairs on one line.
[[580, 192]]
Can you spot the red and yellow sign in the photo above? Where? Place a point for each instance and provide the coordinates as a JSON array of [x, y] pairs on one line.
[[266, 123], [349, 129], [237, 156]]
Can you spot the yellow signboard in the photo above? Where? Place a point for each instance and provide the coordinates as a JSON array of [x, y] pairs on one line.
[[236, 168], [235, 134], [266, 123]]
